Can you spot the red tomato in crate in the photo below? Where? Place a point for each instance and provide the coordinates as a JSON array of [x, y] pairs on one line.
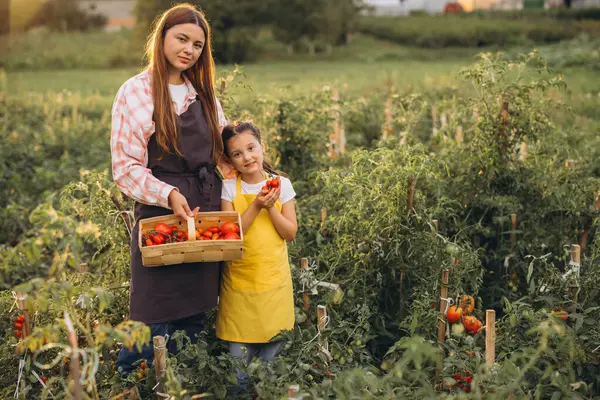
[[229, 227], [214, 229], [149, 242], [231, 236], [157, 239], [163, 228]]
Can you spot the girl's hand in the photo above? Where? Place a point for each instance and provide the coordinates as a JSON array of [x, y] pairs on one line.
[[267, 199], [179, 205]]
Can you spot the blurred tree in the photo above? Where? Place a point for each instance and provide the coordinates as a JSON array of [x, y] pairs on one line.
[[328, 22], [65, 15], [4, 17], [234, 24]]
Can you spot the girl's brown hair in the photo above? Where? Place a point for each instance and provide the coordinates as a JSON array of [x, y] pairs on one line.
[[201, 75], [236, 129]]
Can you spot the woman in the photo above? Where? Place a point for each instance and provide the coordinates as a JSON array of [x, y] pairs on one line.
[[165, 143]]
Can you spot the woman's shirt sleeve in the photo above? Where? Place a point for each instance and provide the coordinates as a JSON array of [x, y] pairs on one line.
[[129, 148]]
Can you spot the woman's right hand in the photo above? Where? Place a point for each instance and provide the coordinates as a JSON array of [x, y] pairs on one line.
[[179, 205]]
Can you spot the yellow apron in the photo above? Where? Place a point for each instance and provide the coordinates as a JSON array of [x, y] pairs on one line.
[[256, 300]]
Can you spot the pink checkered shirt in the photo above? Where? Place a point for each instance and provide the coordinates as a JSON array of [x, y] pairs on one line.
[[132, 127]]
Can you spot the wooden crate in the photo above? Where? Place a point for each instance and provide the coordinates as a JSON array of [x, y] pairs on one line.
[[192, 250]]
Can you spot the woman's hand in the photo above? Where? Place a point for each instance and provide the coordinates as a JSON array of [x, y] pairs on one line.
[[179, 205], [267, 199]]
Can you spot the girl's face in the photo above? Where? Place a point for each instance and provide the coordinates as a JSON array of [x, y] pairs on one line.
[[245, 153], [183, 45]]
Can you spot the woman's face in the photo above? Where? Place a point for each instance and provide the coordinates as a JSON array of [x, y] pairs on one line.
[[183, 45], [245, 153]]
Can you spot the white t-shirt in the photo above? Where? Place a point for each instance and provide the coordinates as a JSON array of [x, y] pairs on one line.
[[229, 189], [178, 94]]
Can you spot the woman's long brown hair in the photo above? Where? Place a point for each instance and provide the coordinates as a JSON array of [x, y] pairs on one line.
[[201, 75]]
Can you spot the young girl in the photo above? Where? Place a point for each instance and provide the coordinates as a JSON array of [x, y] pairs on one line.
[[165, 143], [256, 300]]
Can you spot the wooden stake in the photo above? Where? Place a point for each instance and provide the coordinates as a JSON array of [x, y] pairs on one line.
[[576, 264], [160, 364], [83, 268], [436, 225], [434, 121], [411, 193], [304, 267], [504, 115], [321, 317], [443, 303], [293, 391], [584, 238], [513, 233], [490, 337], [323, 215], [129, 394], [335, 137], [444, 124], [26, 330], [523, 152], [74, 368], [586, 233], [459, 134], [321, 324], [576, 254], [387, 127], [476, 113]]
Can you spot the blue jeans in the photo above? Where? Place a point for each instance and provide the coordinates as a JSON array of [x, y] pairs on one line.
[[191, 325], [247, 351]]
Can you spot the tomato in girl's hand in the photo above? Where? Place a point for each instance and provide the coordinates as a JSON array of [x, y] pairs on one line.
[[274, 183]]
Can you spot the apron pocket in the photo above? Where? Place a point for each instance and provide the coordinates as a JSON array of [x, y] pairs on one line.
[[248, 278]]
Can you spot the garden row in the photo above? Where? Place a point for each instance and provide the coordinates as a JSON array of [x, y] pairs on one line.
[[406, 200]]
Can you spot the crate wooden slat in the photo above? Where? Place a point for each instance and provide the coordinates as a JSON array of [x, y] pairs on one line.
[[192, 250]]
